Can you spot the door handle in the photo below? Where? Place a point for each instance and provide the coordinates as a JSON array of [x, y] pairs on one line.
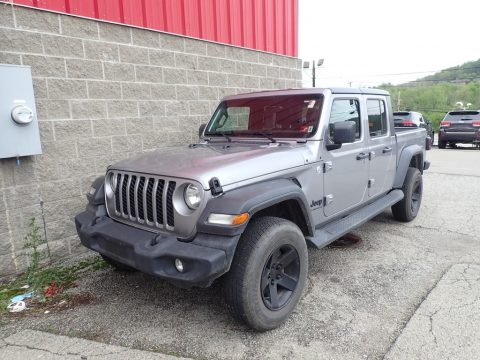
[[362, 156], [387, 150]]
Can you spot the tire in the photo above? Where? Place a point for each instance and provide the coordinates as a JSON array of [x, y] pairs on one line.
[[253, 281], [428, 144], [407, 209], [117, 265], [452, 145], [442, 144]]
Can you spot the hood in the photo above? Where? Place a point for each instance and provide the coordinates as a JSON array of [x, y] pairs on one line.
[[229, 162]]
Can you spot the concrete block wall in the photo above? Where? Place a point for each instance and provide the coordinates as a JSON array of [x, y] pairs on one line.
[[105, 92]]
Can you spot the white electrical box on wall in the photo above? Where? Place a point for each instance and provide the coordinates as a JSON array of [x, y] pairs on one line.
[[19, 134]]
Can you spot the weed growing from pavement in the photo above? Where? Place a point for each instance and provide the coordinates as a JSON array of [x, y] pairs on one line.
[[33, 240], [63, 276], [48, 282]]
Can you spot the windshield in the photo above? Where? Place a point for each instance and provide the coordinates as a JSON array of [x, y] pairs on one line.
[[284, 116]]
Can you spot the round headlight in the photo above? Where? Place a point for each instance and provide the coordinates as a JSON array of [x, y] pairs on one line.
[[113, 181], [192, 196], [110, 184]]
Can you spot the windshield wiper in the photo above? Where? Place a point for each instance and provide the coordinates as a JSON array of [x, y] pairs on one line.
[[267, 135]]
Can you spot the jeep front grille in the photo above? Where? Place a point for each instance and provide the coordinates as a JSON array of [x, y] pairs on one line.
[[145, 200]]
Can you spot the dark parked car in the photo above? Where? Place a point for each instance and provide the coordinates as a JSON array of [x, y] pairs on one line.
[[414, 119], [462, 126]]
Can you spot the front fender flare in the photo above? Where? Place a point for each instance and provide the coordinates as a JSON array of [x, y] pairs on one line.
[[96, 195], [251, 199]]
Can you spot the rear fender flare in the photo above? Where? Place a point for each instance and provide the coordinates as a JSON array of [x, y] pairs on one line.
[[404, 163]]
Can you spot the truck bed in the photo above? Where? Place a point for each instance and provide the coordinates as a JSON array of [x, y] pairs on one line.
[[409, 136]]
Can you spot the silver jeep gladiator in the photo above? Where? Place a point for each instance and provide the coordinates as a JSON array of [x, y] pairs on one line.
[[272, 171]]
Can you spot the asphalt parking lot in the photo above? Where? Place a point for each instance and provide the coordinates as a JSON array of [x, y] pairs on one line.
[[357, 303]]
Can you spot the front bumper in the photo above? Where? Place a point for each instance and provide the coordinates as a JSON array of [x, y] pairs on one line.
[[204, 259]]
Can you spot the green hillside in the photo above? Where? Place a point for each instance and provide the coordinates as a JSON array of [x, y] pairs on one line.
[[470, 71], [436, 94]]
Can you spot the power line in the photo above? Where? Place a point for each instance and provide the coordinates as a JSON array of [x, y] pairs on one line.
[[451, 81], [412, 73], [439, 80], [424, 72]]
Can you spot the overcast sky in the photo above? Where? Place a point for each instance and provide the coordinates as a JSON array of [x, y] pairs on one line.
[[361, 39]]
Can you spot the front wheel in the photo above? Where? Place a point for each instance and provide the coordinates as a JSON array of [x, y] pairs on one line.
[[442, 144], [268, 273], [407, 209]]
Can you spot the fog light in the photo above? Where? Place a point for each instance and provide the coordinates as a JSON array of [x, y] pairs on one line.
[[179, 265]]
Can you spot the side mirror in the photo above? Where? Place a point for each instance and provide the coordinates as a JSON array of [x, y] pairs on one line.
[[343, 133], [201, 129]]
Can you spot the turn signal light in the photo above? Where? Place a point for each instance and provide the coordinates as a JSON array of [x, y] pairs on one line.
[[445, 123], [240, 219], [226, 219]]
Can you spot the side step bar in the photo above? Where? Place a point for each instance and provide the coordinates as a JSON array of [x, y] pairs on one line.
[[336, 229]]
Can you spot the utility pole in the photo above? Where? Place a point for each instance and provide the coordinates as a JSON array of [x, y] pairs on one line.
[[313, 73], [306, 65]]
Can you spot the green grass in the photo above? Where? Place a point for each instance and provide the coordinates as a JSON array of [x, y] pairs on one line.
[[63, 276]]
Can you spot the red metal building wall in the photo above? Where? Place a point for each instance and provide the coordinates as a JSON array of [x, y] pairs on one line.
[[268, 25]]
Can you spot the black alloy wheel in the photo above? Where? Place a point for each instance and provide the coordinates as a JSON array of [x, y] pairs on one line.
[[416, 195], [280, 277], [407, 208]]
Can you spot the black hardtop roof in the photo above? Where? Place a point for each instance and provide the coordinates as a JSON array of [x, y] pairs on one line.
[[463, 112], [312, 91], [368, 91]]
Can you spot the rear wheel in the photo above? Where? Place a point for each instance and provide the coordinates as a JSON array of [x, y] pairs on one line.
[[407, 208], [442, 144], [268, 273]]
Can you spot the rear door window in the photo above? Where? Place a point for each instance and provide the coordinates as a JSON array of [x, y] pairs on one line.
[[377, 118]]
